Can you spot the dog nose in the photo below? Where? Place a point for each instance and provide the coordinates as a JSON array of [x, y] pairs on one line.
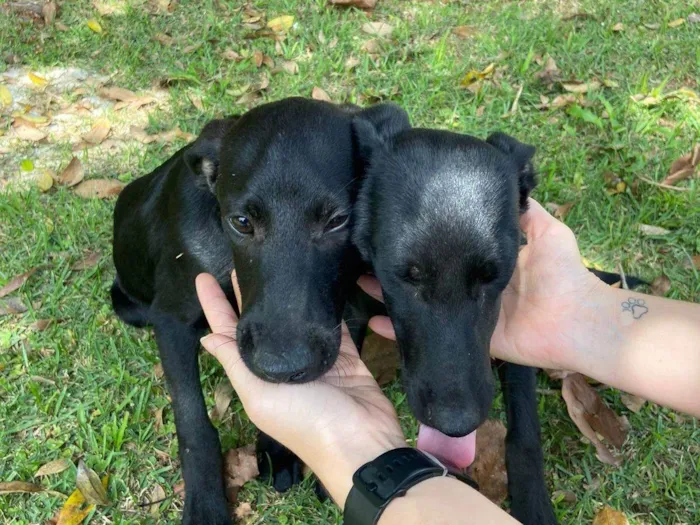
[[288, 366], [454, 412]]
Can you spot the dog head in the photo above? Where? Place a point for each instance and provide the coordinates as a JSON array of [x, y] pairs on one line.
[[286, 177], [437, 217]]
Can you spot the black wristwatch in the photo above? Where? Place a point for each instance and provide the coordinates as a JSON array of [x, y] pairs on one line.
[[390, 476]]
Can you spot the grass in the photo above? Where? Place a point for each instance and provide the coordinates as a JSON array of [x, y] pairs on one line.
[[86, 385]]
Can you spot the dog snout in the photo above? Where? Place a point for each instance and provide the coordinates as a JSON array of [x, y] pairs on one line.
[[290, 365]]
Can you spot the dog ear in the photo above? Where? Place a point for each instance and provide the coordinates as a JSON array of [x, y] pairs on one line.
[[374, 127], [202, 156], [521, 154]]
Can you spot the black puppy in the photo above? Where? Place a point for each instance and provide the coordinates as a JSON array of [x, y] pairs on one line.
[[438, 219], [272, 192]]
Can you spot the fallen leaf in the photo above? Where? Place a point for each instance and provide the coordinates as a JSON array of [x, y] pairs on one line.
[[40, 325], [44, 181], [243, 511], [634, 403], [381, 356], [240, 465], [593, 417], [463, 32], [117, 93], [12, 306], [560, 211], [158, 370], [550, 72], [577, 86], [648, 229], [694, 18], [53, 467], [192, 48], [360, 4], [222, 399], [29, 133], [196, 101], [696, 261], [378, 29], [72, 512], [676, 23], [166, 136], [281, 23], [99, 188], [268, 61], [12, 487], [660, 286], [98, 133], [318, 94], [48, 11], [290, 67], [88, 261], [27, 165], [135, 103], [609, 516], [489, 467], [614, 184], [72, 174], [653, 26], [351, 63], [164, 39], [90, 486], [646, 100], [37, 80], [257, 58], [683, 167], [564, 495], [5, 96], [94, 25], [618, 27], [230, 54], [159, 419], [156, 497], [16, 282]]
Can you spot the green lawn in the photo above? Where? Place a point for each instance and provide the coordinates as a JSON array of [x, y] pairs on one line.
[[86, 386]]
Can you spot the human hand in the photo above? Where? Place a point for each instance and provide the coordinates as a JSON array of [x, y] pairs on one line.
[[543, 309], [334, 424]]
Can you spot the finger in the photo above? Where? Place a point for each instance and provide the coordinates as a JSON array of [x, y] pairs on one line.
[[370, 285], [535, 220], [382, 325], [237, 290], [217, 309]]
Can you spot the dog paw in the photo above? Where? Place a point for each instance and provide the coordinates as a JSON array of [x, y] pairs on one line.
[[637, 307], [204, 511], [282, 475]]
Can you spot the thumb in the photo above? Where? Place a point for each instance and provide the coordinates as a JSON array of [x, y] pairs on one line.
[[535, 221]]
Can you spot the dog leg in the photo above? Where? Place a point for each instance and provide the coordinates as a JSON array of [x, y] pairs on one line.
[[278, 464], [200, 450], [530, 500]]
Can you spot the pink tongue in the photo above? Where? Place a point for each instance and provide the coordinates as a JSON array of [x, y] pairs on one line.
[[458, 452]]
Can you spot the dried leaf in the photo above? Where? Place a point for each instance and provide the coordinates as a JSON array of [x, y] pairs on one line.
[[634, 403], [550, 72], [222, 399], [290, 67], [474, 76], [618, 27], [257, 58], [44, 181], [576, 86], [652, 26], [164, 39], [196, 101], [352, 63], [5, 96], [683, 167], [88, 261], [29, 133], [318, 94], [609, 516], [37, 80], [156, 496], [241, 465], [378, 29], [98, 133], [94, 25], [648, 229], [381, 356], [192, 48], [158, 370], [72, 512], [694, 18], [593, 417], [230, 54], [12, 487], [489, 467], [243, 510], [463, 32], [99, 188], [16, 282], [249, 98], [40, 325], [281, 23], [90, 486], [48, 11], [159, 418], [696, 261], [676, 23], [661, 286], [360, 4], [11, 306], [372, 46], [564, 495], [72, 174], [560, 211], [53, 467], [117, 93]]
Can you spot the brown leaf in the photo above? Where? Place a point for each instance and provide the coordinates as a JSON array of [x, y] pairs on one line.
[[318, 94], [48, 11], [609, 516], [73, 173], [661, 286], [550, 72], [196, 101], [290, 67], [649, 230], [696, 261], [99, 188], [593, 417], [378, 29], [566, 496], [98, 133], [694, 18], [243, 511], [230, 54], [652, 26], [240, 465], [54, 467], [463, 32], [489, 467], [634, 403], [164, 39], [683, 167], [192, 48], [117, 94], [381, 356], [158, 370], [257, 58], [12, 306], [222, 399], [618, 27], [156, 496], [360, 4], [12, 487], [41, 324], [560, 211], [576, 86], [16, 282], [29, 133], [90, 486], [249, 98], [88, 261], [159, 418]]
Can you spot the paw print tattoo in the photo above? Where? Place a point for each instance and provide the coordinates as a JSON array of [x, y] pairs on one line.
[[637, 307]]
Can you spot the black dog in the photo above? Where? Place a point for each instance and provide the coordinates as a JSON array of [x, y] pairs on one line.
[[272, 192]]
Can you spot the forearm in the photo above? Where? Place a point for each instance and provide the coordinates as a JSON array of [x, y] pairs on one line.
[[651, 349]]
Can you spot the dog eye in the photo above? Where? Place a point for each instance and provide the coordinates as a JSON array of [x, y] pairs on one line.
[[335, 223], [413, 275], [241, 224]]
